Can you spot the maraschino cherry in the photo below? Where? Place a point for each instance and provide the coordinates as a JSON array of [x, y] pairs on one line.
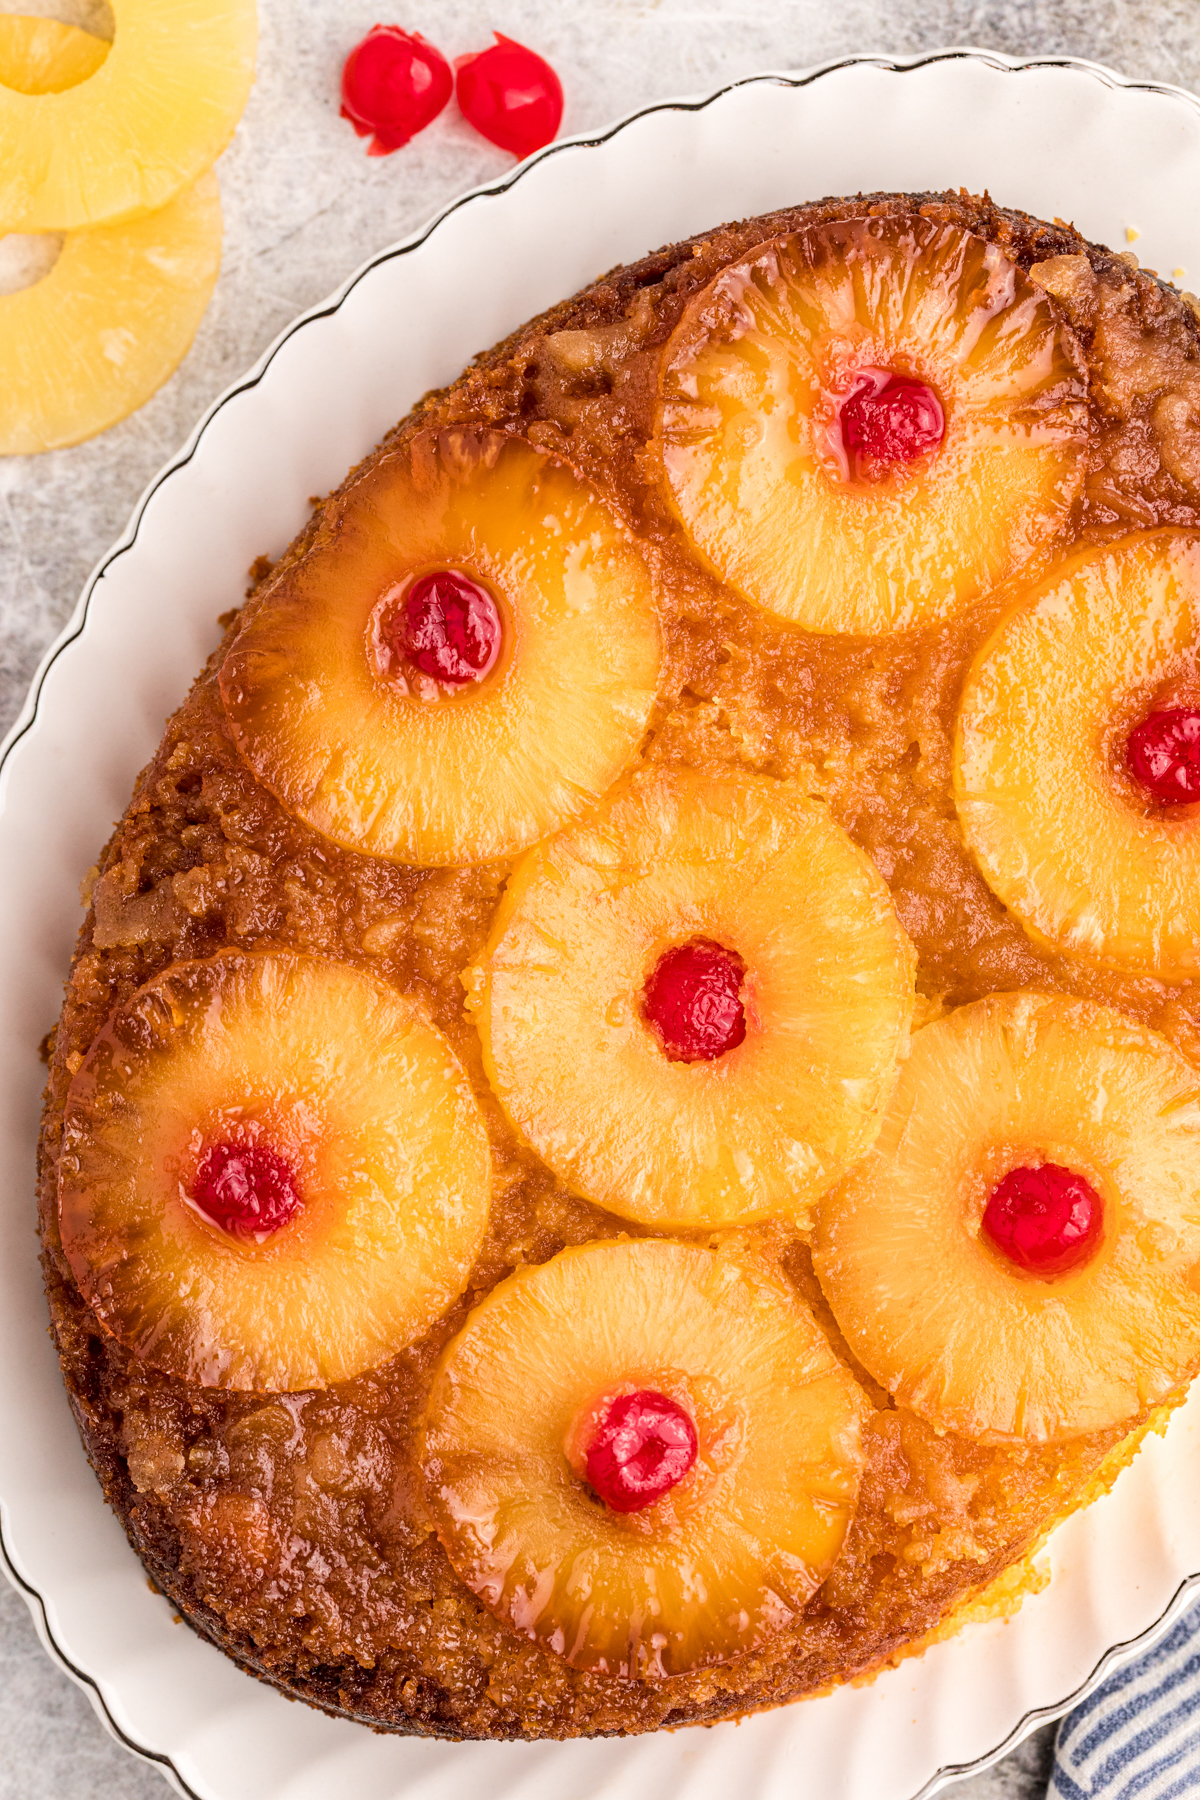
[[394, 84], [1163, 753], [644, 1446], [448, 627], [890, 418], [510, 95], [693, 999], [1045, 1219], [249, 1190]]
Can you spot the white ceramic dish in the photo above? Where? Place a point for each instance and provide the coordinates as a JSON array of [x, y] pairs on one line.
[[1054, 137]]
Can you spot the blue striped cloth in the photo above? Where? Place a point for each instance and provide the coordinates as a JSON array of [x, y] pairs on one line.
[[1138, 1736]]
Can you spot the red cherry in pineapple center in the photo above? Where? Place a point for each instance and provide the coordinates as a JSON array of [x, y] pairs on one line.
[[448, 627], [1163, 753], [249, 1190], [1046, 1220], [890, 418], [645, 1445], [693, 999]]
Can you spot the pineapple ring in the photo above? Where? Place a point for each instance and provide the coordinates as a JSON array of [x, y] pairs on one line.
[[483, 772], [350, 1082], [111, 321], [726, 1559], [156, 113], [947, 1325], [1060, 832], [750, 382], [755, 865]]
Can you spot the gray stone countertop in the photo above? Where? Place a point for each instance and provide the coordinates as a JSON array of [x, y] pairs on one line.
[[303, 207]]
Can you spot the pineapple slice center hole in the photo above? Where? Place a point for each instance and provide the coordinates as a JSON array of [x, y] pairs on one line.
[[1163, 754], [27, 258], [1044, 1219], [249, 1191], [885, 419], [92, 16], [643, 1446], [443, 631], [693, 1001], [40, 53]]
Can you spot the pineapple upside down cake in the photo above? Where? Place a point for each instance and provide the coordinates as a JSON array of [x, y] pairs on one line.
[[624, 1139]]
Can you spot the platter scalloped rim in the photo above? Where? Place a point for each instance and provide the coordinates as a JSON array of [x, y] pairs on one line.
[[314, 403]]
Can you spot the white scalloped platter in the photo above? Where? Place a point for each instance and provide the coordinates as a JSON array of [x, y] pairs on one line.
[[1056, 138]]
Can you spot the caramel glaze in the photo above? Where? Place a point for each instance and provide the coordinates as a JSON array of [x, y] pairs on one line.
[[291, 1529]]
